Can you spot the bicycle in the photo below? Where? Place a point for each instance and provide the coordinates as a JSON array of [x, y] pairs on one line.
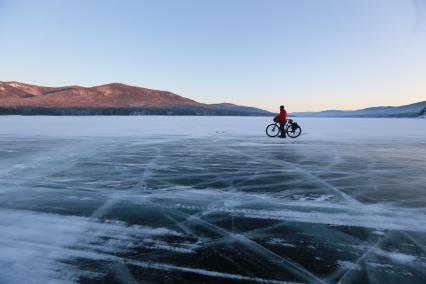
[[292, 129]]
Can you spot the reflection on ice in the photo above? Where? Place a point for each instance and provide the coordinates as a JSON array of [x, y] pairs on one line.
[[212, 208]]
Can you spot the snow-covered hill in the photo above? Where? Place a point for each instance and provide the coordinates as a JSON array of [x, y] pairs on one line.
[[110, 99]]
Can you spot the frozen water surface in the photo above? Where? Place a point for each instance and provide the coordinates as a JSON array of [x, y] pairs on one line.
[[211, 199]]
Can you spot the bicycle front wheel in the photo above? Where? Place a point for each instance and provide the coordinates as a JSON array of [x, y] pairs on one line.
[[272, 130]]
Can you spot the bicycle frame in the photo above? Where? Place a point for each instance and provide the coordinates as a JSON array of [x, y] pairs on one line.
[[286, 125]]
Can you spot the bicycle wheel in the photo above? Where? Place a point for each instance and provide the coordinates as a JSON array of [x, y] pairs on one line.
[[294, 132], [273, 130]]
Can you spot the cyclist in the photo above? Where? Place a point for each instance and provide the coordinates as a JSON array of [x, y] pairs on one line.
[[281, 119]]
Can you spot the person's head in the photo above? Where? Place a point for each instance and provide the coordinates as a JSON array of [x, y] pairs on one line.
[[281, 107]]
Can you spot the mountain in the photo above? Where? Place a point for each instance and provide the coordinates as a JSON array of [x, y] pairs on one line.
[[423, 113], [109, 99], [411, 110]]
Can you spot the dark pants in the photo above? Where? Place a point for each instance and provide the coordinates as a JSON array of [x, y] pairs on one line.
[[282, 130]]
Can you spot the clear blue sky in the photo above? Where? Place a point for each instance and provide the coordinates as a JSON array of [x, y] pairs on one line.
[[306, 54]]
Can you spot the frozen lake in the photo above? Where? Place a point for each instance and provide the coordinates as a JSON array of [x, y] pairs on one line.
[[211, 199]]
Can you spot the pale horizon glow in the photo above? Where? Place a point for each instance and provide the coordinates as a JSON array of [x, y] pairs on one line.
[[307, 55]]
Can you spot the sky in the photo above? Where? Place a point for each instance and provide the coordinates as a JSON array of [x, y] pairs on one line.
[[309, 55]]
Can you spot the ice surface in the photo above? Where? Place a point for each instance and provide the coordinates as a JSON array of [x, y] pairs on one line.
[[211, 199]]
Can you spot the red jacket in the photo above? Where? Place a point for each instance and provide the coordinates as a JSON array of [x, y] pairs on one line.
[[282, 117]]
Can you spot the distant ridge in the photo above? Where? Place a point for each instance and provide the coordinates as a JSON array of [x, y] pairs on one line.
[[423, 113], [110, 99], [412, 110]]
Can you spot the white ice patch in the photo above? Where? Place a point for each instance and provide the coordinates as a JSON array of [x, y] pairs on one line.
[[397, 257], [281, 242], [348, 265], [374, 216], [35, 244]]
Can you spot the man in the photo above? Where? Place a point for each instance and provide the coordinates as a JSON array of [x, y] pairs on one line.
[[281, 119]]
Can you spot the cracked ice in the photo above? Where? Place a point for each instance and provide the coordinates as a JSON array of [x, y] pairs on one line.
[[204, 199]]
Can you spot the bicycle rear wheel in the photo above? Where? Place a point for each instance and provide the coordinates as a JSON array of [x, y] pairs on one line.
[[273, 130], [294, 132]]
